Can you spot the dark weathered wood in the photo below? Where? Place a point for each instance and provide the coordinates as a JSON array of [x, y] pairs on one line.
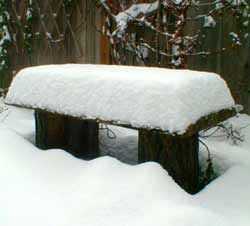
[[79, 137], [210, 121], [177, 154], [83, 138], [50, 130], [205, 122]]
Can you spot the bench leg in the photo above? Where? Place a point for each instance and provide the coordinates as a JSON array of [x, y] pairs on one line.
[[177, 154], [83, 138], [79, 137], [50, 131]]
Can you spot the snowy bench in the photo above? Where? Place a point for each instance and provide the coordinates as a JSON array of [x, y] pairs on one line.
[[167, 107]]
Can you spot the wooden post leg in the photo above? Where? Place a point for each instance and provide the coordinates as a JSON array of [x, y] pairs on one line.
[[79, 137], [177, 154], [50, 131], [83, 138]]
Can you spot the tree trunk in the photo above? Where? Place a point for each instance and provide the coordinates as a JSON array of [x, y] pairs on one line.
[[177, 154], [78, 137]]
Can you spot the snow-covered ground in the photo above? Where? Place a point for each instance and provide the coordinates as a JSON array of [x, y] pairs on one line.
[[52, 188]]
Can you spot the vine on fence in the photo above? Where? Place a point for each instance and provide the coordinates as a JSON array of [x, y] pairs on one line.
[[28, 36], [68, 5], [5, 38], [24, 22]]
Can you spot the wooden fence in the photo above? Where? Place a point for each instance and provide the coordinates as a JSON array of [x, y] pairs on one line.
[[58, 34], [233, 64]]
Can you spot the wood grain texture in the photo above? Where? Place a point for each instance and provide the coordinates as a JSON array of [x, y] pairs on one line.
[[78, 137], [177, 154]]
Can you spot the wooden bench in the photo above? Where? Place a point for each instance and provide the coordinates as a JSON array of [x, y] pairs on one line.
[[78, 131]]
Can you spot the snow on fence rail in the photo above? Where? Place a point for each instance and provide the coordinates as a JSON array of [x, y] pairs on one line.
[[143, 97]]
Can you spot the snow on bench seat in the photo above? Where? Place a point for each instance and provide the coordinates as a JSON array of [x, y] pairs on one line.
[[144, 97]]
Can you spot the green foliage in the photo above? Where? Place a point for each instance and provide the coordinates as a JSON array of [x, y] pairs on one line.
[[68, 5], [5, 38], [28, 36]]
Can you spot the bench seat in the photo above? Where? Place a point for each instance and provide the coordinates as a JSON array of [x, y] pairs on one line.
[[167, 107]]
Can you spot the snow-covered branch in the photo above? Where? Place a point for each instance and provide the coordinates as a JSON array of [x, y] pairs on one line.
[[160, 27]]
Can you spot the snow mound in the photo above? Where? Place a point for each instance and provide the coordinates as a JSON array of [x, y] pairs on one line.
[[148, 97], [54, 188], [50, 188]]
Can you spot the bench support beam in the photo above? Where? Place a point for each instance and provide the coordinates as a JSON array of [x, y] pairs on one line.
[[177, 154], [79, 137]]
